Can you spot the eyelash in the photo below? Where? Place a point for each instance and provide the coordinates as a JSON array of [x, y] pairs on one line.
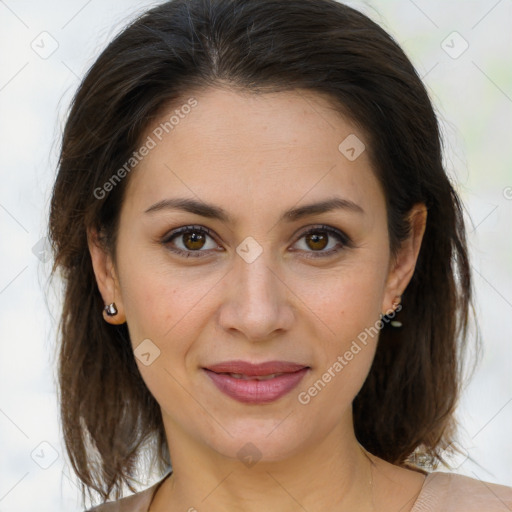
[[339, 235]]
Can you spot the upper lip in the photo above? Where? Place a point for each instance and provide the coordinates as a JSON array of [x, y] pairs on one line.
[[255, 370]]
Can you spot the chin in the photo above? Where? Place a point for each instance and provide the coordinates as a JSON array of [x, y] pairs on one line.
[[259, 441]]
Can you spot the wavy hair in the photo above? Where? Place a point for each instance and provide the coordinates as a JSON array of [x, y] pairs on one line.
[[405, 408]]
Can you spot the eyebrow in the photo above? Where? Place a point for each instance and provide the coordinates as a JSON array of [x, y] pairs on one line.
[[212, 211]]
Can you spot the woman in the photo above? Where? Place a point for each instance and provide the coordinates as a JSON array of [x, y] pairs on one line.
[[266, 274]]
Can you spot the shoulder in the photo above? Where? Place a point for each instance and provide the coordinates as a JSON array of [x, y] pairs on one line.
[[451, 492], [138, 502]]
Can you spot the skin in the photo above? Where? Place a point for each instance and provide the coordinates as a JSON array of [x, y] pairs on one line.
[[257, 156]]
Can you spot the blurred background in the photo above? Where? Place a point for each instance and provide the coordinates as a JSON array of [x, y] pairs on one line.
[[461, 49]]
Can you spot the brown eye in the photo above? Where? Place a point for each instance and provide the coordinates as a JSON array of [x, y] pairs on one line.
[[317, 241], [190, 241], [193, 240]]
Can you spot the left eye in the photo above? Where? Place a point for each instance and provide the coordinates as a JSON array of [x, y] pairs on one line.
[[317, 238]]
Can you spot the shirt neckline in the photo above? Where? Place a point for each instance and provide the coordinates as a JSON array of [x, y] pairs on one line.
[[424, 494], [427, 492]]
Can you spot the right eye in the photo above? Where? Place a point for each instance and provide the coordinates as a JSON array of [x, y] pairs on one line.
[[193, 240]]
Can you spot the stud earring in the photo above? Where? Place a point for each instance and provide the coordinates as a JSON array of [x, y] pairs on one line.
[[111, 309]]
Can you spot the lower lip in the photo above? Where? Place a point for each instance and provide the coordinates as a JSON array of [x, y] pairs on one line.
[[257, 391]]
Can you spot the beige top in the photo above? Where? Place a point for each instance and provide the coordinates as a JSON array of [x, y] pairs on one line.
[[441, 492]]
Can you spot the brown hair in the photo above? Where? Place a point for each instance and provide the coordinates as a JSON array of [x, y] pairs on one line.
[[406, 405]]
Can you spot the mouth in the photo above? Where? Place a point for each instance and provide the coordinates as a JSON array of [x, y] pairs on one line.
[[254, 377], [244, 368], [256, 383]]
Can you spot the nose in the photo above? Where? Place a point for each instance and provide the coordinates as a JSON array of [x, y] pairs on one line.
[[256, 300]]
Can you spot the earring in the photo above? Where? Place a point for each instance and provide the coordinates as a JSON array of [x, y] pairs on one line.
[[396, 303], [111, 309]]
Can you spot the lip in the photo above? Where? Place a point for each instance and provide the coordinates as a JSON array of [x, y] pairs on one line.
[[255, 370], [256, 391]]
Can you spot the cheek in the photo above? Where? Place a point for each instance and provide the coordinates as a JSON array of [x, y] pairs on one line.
[[343, 300], [162, 309], [347, 331], [159, 298], [350, 315], [167, 307]]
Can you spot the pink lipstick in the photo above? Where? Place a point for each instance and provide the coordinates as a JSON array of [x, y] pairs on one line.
[[256, 383]]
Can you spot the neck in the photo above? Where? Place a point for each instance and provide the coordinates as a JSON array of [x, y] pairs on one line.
[[335, 474]]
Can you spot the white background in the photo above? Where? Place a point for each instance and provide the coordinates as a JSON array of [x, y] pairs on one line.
[[472, 95]]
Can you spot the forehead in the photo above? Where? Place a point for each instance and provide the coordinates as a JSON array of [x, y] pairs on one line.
[[248, 148]]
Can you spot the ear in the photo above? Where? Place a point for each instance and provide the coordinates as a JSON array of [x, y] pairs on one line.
[[401, 268], [106, 278]]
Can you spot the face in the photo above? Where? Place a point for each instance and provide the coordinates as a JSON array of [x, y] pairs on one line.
[[198, 288]]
